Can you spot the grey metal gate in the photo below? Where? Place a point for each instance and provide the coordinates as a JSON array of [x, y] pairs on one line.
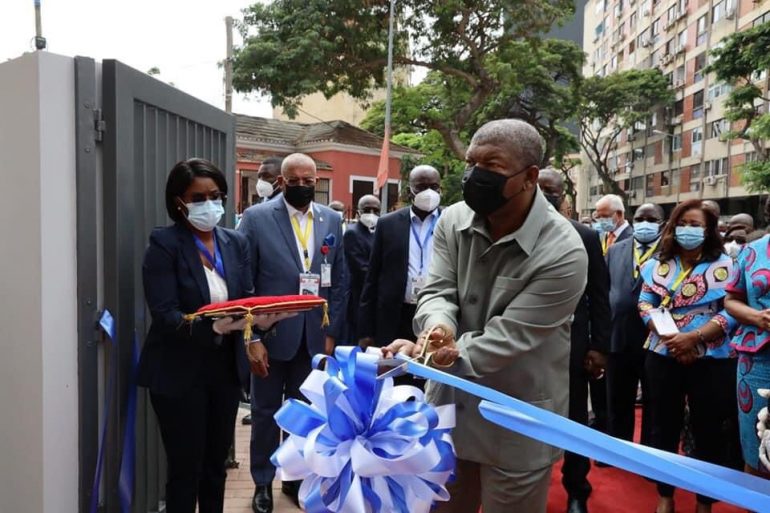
[[131, 129]]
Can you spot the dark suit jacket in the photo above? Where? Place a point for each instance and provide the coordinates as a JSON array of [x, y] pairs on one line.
[[175, 351], [590, 329], [628, 329], [358, 248], [276, 268], [628, 232], [383, 294]]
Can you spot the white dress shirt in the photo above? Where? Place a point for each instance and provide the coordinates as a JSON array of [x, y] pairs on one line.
[[303, 219], [419, 260], [217, 286]]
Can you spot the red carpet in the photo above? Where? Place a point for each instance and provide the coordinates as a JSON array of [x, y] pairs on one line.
[[618, 491]]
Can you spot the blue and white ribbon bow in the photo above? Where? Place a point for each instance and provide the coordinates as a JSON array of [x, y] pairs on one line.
[[363, 445]]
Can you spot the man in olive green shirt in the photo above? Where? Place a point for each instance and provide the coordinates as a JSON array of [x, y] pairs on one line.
[[506, 276]]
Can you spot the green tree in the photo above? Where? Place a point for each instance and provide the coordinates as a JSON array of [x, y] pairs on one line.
[[293, 48], [738, 62], [611, 104]]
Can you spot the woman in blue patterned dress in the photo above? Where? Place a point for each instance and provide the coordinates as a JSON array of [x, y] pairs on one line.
[[692, 362], [748, 300]]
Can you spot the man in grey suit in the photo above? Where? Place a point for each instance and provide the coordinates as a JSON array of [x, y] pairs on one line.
[[506, 276], [625, 365], [296, 247]]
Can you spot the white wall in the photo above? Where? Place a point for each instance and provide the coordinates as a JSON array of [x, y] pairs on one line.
[[38, 330]]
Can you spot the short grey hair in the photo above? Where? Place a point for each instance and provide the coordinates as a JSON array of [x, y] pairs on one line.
[[615, 201], [297, 160], [517, 136]]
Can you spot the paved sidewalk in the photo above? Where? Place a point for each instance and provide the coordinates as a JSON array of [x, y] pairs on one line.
[[240, 487]]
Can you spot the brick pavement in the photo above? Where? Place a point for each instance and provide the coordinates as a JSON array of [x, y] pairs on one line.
[[240, 487]]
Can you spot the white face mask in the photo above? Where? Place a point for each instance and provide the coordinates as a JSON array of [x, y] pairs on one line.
[[732, 249], [369, 220], [205, 215], [264, 188], [427, 201]]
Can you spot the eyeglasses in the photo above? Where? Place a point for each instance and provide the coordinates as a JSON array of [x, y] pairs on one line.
[[424, 187], [200, 197], [293, 182]]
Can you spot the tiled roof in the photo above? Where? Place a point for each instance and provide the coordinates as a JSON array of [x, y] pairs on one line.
[[290, 133]]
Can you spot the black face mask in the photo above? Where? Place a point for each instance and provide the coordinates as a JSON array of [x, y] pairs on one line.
[[483, 189], [299, 196], [554, 199]]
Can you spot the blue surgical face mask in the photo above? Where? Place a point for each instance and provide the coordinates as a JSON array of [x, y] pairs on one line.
[[608, 224], [645, 231], [205, 215], [598, 227], [690, 237]]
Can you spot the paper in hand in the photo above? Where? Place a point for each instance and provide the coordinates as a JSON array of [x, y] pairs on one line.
[[664, 323]]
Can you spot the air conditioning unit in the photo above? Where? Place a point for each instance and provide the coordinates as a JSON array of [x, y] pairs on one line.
[[680, 49], [710, 180], [678, 84], [730, 14], [666, 58], [631, 194], [707, 106], [646, 42], [676, 120]]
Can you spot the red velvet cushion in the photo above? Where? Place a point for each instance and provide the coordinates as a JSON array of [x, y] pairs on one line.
[[264, 304]]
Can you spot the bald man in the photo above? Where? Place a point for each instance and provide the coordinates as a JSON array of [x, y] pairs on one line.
[[741, 221], [359, 239], [285, 237], [401, 257]]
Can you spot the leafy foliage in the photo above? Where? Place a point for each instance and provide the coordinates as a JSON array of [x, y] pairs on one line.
[[737, 62], [613, 103], [294, 48]]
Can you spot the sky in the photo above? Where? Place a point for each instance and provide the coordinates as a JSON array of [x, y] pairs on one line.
[[185, 39]]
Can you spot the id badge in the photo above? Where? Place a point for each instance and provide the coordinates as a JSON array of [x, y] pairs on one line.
[[326, 275], [415, 286], [664, 323], [309, 284]]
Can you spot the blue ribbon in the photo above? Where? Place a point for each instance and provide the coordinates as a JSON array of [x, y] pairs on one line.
[[363, 444], [216, 259], [710, 480], [126, 477]]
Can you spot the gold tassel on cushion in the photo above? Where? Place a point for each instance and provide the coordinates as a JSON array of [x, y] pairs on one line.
[[247, 329], [325, 320]]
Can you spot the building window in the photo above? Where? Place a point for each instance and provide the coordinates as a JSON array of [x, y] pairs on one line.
[[650, 185], [716, 167], [632, 20], [679, 75], [669, 46], [718, 89], [697, 140], [631, 47], [717, 128], [700, 63], [655, 30], [681, 39], [678, 107], [676, 142], [637, 183], [600, 7], [697, 105], [702, 27], [671, 15], [721, 10], [322, 191]]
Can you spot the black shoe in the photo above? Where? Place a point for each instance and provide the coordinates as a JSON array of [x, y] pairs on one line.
[[263, 499], [291, 489], [576, 506], [246, 421]]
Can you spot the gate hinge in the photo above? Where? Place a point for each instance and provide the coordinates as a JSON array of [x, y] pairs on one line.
[[99, 125]]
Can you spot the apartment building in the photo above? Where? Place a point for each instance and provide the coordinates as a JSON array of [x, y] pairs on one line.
[[678, 154]]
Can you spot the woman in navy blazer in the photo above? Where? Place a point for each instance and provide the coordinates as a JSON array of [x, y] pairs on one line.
[[195, 372]]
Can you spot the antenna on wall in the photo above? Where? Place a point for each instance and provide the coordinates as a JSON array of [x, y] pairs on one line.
[[40, 42]]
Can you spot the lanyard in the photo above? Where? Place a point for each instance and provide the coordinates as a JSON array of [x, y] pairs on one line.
[[640, 260], [677, 283], [424, 244], [216, 259], [303, 238]]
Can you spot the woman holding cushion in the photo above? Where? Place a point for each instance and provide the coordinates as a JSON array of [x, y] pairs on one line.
[[748, 300], [689, 359], [195, 372]]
